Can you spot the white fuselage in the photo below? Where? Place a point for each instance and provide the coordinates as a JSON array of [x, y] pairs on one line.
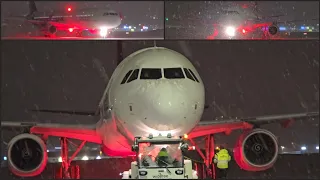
[[88, 19], [154, 106]]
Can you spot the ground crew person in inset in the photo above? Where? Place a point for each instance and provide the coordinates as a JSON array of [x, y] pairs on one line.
[[162, 158], [222, 159]]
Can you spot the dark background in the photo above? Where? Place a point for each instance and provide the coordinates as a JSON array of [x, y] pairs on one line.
[[242, 78]]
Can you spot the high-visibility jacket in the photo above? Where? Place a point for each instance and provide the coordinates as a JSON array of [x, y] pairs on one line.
[[222, 159], [163, 154]]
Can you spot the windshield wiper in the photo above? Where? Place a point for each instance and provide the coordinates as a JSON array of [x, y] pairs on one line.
[[166, 166]]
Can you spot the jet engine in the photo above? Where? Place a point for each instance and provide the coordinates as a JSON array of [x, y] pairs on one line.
[[27, 155], [52, 29], [256, 150], [273, 29]]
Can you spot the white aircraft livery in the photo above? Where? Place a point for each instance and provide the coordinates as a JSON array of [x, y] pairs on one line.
[[80, 21], [154, 91]]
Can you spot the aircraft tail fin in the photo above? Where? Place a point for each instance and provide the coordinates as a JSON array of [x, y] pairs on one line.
[[32, 9]]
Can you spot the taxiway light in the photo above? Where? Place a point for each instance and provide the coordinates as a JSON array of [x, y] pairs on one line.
[[85, 158], [98, 157]]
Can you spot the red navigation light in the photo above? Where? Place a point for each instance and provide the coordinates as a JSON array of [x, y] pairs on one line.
[[244, 31], [69, 9], [70, 29], [244, 6]]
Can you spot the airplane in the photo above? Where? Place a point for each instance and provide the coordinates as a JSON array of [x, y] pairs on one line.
[[239, 20], [154, 91], [79, 21]]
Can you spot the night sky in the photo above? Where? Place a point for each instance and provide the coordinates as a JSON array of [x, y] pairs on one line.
[[133, 11], [242, 78], [292, 10]]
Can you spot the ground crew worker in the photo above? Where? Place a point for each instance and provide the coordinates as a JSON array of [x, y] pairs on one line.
[[162, 157], [222, 159]]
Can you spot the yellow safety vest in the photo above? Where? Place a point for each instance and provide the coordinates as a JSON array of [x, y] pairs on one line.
[[222, 158], [163, 154]]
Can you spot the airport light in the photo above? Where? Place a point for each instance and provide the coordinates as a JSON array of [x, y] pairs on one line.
[[5, 158], [70, 30], [303, 148], [317, 147], [185, 136], [282, 28], [69, 9], [60, 159], [230, 31], [103, 31], [98, 157], [85, 158], [282, 147], [47, 150]]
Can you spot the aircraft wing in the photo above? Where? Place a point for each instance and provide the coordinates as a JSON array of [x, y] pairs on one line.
[[82, 132], [227, 125]]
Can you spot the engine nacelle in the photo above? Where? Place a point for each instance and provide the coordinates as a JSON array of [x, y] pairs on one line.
[[273, 29], [52, 29], [27, 155], [256, 150]]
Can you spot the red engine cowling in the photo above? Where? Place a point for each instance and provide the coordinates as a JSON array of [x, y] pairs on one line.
[[256, 150], [27, 155], [107, 151]]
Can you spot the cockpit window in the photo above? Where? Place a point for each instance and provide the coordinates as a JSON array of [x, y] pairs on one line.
[[189, 76], [126, 77], [134, 75], [150, 73], [173, 73], [194, 76]]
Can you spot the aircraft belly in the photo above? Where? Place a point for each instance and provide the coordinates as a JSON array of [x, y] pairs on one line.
[[112, 139]]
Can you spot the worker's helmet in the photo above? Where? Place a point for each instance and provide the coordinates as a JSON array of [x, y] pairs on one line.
[[163, 149]]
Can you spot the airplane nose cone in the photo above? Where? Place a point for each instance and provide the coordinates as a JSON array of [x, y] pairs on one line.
[[167, 107]]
